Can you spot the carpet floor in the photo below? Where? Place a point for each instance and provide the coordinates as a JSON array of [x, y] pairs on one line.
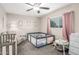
[[26, 48]]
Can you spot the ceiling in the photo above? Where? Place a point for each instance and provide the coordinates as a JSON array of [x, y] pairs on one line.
[[20, 8]]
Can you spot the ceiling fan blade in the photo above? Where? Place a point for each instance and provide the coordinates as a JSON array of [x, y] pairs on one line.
[[29, 9], [29, 4], [44, 8]]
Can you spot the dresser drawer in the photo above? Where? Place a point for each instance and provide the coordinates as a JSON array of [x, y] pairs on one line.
[[75, 44], [74, 50], [74, 39], [72, 53]]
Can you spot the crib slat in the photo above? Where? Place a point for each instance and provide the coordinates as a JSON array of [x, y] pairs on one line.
[[4, 50], [3, 38], [10, 49], [0, 39], [10, 38], [16, 48], [0, 50], [7, 50], [6, 38]]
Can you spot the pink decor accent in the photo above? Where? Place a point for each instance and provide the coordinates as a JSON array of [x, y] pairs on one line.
[[48, 25], [67, 24]]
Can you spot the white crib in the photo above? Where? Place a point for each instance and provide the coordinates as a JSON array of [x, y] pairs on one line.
[[8, 44]]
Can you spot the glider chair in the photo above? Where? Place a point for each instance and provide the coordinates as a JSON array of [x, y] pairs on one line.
[[8, 44], [61, 45]]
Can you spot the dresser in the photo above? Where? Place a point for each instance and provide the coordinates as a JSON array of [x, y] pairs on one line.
[[74, 44]]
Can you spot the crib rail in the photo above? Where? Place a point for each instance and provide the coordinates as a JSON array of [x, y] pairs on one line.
[[7, 38]]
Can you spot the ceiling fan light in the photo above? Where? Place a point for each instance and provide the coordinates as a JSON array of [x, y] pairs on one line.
[[38, 11], [36, 8]]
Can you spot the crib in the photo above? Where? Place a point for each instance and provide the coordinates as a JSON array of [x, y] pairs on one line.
[[8, 44], [39, 39]]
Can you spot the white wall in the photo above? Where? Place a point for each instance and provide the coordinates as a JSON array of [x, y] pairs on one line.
[[59, 12], [44, 24], [23, 24], [3, 20]]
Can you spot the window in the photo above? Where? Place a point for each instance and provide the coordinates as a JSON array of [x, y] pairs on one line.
[[56, 22]]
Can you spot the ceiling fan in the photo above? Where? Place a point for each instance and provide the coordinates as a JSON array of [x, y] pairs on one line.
[[36, 6]]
